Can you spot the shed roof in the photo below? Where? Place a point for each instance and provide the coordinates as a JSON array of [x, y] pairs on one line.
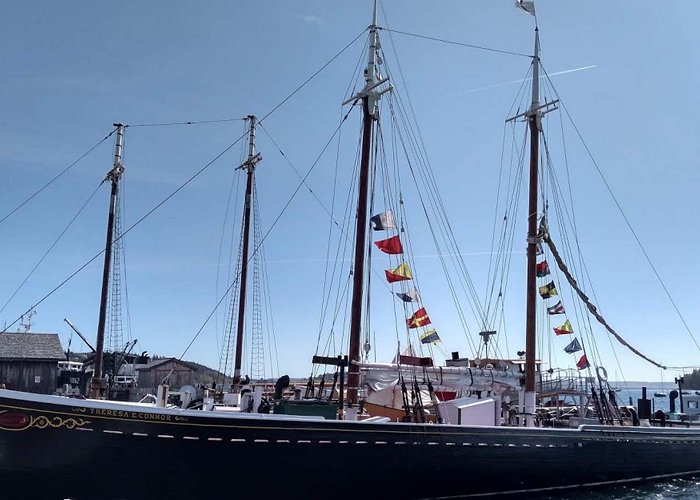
[[158, 362], [31, 346]]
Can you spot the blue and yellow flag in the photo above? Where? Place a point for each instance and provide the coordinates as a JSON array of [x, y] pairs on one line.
[[548, 290], [430, 337]]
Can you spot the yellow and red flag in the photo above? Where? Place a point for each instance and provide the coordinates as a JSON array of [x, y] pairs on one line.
[[401, 273], [419, 318], [564, 329]]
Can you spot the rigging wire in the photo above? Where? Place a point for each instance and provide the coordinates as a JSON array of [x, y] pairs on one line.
[[493, 257], [257, 349], [314, 75], [70, 223], [389, 199], [267, 233], [461, 44], [332, 219], [134, 225], [395, 199], [566, 213], [504, 254], [308, 187], [432, 199], [192, 122], [228, 341], [31, 197], [269, 318], [275, 108], [563, 213], [504, 250], [182, 186], [506, 239], [114, 319], [122, 216], [342, 295], [624, 216], [233, 188], [415, 139]]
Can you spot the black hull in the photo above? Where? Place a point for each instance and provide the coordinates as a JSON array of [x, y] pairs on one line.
[[87, 450]]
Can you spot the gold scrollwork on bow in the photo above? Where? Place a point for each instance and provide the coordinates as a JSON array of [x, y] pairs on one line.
[[43, 422]]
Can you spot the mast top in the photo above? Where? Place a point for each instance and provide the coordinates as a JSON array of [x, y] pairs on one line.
[[373, 77], [253, 158], [374, 15], [536, 109], [536, 72], [117, 168]]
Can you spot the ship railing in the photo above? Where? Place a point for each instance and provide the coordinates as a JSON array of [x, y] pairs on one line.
[[563, 381]]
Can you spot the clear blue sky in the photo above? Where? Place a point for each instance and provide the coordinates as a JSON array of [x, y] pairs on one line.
[[71, 69]]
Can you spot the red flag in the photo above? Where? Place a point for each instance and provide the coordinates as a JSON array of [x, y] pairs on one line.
[[582, 363], [391, 245], [542, 269], [419, 318]]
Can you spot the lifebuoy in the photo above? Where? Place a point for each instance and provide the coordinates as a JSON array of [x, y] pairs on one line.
[[602, 374]]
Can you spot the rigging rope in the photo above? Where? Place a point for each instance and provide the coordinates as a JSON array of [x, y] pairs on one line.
[[70, 223], [461, 44], [267, 233], [419, 170], [229, 338], [314, 75], [414, 138], [192, 122], [233, 188], [134, 225], [624, 216], [182, 186], [275, 108], [592, 308], [56, 177], [308, 187]]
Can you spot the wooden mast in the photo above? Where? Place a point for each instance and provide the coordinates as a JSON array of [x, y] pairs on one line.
[[113, 176], [534, 121], [369, 97], [249, 165], [534, 118]]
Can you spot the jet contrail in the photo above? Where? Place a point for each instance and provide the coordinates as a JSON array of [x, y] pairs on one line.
[[513, 82]]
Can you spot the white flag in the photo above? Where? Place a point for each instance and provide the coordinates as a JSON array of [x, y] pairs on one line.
[[528, 7], [410, 296], [383, 221]]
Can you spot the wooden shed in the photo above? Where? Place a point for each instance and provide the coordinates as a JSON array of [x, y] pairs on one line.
[[29, 361], [151, 375]]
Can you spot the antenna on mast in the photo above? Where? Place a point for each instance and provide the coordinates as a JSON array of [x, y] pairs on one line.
[[25, 322], [373, 78]]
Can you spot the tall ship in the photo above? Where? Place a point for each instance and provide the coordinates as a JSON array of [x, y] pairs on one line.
[[399, 427]]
